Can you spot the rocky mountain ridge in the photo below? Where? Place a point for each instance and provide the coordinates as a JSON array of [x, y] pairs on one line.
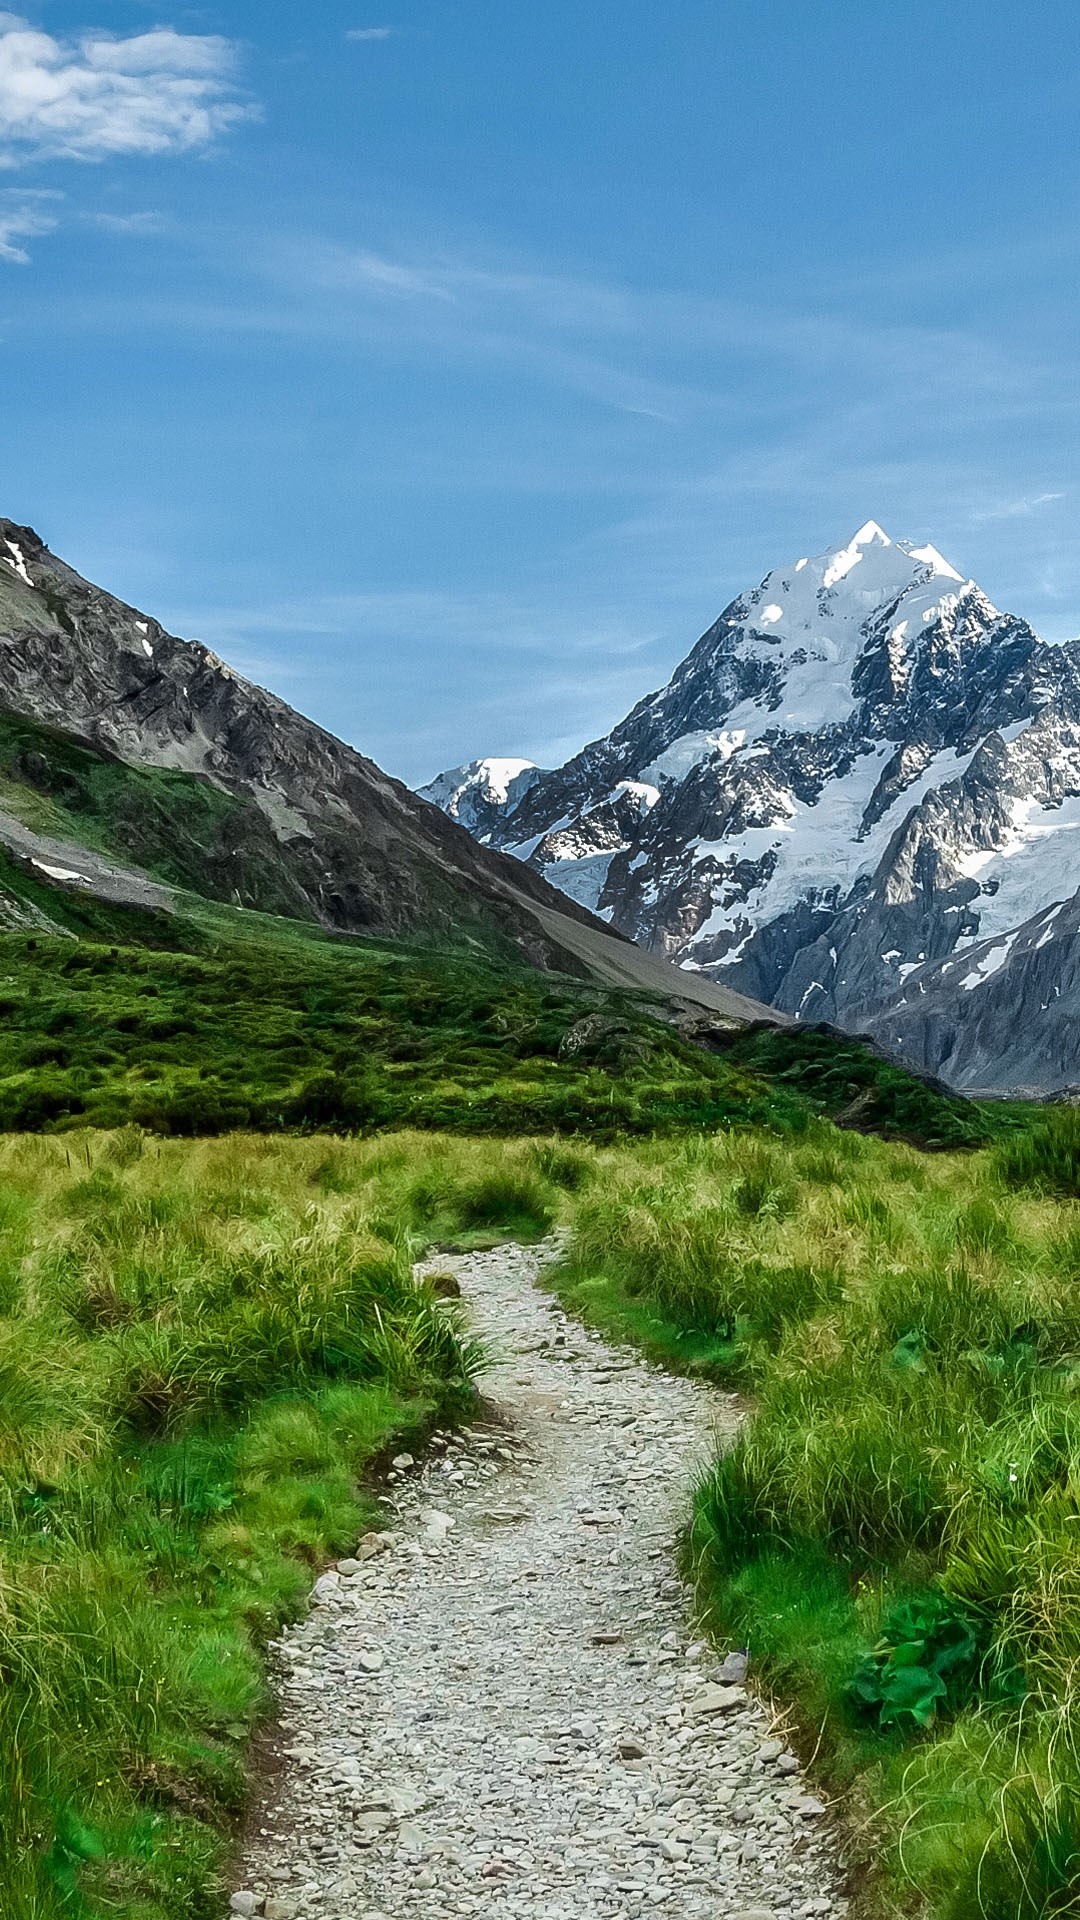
[[862, 772], [292, 819]]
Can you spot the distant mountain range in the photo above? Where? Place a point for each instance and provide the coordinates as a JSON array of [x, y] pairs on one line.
[[857, 799], [134, 765]]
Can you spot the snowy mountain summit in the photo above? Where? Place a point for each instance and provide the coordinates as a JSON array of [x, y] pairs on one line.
[[858, 798], [480, 793]]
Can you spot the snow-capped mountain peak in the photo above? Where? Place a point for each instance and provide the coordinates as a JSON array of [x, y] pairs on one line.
[[860, 769], [477, 793], [845, 586], [803, 650]]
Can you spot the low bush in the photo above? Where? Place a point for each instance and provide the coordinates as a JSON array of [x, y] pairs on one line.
[[931, 1658]]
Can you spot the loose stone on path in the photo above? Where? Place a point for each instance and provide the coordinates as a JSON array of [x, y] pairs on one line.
[[498, 1705]]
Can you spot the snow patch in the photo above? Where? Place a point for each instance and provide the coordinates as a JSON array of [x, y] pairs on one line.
[[987, 965], [639, 790], [1041, 851], [842, 560], [582, 880], [59, 873], [17, 563], [930, 557], [690, 749], [498, 776]]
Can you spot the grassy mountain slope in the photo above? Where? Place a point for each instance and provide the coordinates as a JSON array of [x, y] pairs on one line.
[[205, 1018], [126, 833], [177, 828]]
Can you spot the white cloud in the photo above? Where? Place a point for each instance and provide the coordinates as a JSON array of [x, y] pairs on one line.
[[136, 225], [24, 216], [371, 272], [370, 33], [1019, 509], [94, 96]]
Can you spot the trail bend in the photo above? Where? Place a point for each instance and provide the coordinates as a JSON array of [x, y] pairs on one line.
[[506, 1711]]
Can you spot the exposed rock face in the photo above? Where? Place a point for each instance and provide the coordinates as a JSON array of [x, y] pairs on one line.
[[861, 772], [360, 851], [1001, 1016]]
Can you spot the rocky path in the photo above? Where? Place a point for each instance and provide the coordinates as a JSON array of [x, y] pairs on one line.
[[499, 1707]]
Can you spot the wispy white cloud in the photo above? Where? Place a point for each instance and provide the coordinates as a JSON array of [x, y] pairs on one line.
[[96, 96], [373, 273], [24, 216], [1019, 509], [370, 33], [330, 652], [137, 225], [725, 432]]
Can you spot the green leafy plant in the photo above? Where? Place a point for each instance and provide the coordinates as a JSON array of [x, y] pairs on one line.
[[929, 1658]]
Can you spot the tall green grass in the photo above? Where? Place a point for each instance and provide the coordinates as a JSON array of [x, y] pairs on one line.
[[896, 1533], [203, 1347]]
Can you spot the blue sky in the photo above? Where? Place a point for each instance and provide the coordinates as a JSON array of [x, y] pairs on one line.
[[448, 366]]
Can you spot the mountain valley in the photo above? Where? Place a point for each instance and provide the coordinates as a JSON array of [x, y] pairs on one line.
[[306, 1095]]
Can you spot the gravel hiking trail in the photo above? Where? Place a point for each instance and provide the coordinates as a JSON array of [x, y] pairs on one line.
[[500, 1706]]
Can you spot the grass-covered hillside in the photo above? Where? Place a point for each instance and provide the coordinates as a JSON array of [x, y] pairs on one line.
[[235, 1010], [897, 1534], [212, 1018]]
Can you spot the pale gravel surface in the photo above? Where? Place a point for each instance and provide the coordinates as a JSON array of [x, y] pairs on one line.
[[464, 1711]]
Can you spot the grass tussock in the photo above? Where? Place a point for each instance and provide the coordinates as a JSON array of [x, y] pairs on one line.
[[220, 1022], [897, 1532], [203, 1347]]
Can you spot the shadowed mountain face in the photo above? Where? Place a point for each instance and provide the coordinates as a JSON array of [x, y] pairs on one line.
[[237, 796], [861, 773]]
